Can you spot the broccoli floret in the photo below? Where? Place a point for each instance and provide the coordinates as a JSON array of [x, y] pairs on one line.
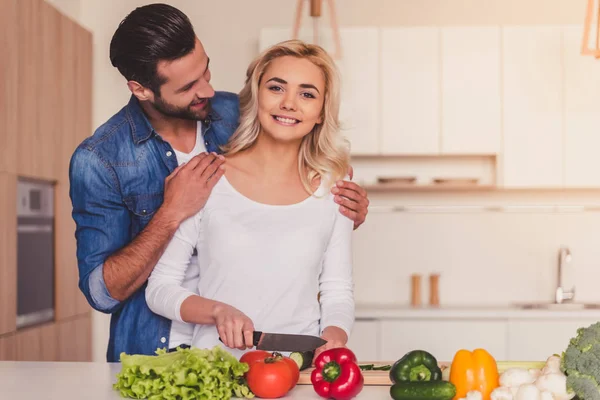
[[584, 386], [581, 363]]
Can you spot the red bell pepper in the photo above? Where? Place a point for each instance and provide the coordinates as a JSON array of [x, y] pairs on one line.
[[337, 374]]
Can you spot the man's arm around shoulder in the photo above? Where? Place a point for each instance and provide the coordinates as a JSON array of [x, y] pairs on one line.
[[111, 267]]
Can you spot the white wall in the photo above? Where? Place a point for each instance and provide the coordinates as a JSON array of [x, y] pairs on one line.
[[483, 258]]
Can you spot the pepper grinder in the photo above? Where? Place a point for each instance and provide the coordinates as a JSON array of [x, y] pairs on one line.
[[415, 290], [434, 295]]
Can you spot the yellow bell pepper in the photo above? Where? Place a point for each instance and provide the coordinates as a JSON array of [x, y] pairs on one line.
[[476, 370]]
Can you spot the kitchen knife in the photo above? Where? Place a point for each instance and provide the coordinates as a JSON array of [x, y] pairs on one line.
[[285, 342]]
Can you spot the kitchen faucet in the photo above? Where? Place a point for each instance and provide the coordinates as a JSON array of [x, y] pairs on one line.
[[562, 295]]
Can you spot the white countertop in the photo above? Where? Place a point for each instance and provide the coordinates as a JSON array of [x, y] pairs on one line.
[[390, 311], [93, 381]]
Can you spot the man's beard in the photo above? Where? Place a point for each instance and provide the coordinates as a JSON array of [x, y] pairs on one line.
[[172, 111]]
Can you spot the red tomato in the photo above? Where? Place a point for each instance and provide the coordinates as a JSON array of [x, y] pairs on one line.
[[295, 370], [271, 378], [254, 355]]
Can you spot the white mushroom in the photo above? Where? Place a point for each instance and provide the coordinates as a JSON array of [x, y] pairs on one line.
[[555, 383], [515, 377], [473, 395], [552, 365], [546, 396], [502, 393], [528, 391]]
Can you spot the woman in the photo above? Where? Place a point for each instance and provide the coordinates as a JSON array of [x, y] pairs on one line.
[[270, 238]]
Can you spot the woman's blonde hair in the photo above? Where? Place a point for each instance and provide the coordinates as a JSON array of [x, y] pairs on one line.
[[323, 152]]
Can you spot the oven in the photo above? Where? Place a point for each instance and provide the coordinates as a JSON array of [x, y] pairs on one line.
[[35, 252]]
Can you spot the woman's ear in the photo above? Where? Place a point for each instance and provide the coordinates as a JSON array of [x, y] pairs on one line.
[[321, 119]]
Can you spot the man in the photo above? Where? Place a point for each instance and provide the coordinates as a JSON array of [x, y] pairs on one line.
[[129, 195]]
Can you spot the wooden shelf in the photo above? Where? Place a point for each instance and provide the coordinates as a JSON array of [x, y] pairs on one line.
[[399, 187], [424, 156]]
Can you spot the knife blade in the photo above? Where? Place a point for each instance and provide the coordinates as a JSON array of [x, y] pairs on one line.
[[285, 341]]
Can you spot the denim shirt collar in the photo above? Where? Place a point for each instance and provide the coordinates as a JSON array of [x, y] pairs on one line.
[[142, 130], [213, 115]]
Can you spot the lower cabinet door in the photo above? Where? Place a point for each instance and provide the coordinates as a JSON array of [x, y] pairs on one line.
[[364, 339], [8, 351], [538, 340], [74, 339], [442, 338]]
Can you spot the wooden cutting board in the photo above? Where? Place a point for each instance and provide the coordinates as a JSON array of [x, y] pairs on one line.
[[382, 378], [372, 378]]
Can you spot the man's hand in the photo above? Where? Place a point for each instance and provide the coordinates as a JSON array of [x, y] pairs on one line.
[[336, 337], [189, 185], [353, 201]]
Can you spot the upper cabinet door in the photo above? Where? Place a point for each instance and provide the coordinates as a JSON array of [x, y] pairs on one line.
[[410, 90], [359, 70], [9, 86], [533, 107], [360, 107], [471, 101], [582, 113]]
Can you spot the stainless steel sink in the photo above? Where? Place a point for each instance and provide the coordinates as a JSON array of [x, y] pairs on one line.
[[559, 306]]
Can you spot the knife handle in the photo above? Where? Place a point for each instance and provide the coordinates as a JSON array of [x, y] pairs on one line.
[[255, 338]]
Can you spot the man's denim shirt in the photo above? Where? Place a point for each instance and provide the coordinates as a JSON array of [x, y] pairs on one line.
[[117, 178]]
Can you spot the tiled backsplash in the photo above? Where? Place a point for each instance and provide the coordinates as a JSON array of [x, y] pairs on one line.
[[484, 258]]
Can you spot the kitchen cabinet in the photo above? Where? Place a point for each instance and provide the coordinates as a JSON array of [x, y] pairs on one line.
[[442, 338], [582, 113], [45, 111], [34, 143], [49, 342], [511, 335], [8, 87], [471, 101], [28, 344], [359, 73], [410, 90], [82, 129], [538, 340], [67, 292], [359, 109], [50, 95], [8, 348], [8, 253], [533, 107], [364, 339], [74, 339], [38, 343]]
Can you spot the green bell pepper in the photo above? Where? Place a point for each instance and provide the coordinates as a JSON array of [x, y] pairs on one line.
[[416, 366]]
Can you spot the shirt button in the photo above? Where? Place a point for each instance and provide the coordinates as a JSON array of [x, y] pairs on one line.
[[163, 340], [169, 153]]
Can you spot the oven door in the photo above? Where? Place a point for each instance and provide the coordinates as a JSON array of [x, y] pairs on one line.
[[35, 254]]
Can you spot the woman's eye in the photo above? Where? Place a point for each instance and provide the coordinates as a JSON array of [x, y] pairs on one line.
[[275, 88], [308, 95]]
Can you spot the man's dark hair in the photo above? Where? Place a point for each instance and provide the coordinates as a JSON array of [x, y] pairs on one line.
[[146, 36]]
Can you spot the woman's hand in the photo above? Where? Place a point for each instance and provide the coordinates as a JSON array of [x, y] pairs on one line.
[[234, 327], [336, 337]]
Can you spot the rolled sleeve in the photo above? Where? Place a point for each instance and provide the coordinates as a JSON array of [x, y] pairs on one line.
[[102, 223], [98, 291]]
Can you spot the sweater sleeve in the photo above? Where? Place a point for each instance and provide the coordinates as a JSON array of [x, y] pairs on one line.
[[335, 282], [164, 293]]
